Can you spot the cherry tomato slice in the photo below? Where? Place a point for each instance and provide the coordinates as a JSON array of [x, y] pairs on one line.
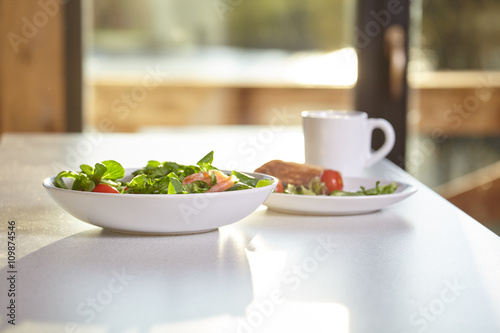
[[104, 188], [332, 180], [279, 188]]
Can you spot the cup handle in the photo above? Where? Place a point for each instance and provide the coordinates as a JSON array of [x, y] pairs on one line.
[[390, 139]]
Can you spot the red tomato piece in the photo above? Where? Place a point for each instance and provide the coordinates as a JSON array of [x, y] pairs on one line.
[[333, 180], [279, 187], [105, 188]]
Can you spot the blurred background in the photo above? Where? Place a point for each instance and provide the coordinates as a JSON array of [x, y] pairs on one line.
[[139, 66]]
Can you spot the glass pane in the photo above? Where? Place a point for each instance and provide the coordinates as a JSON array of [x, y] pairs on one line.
[[461, 35], [158, 62], [454, 116]]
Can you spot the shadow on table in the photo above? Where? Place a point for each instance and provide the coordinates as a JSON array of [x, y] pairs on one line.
[[100, 279]]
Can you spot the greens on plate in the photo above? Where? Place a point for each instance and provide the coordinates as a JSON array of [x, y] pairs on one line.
[[317, 187]]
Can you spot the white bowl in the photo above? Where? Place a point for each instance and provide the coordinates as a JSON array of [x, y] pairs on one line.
[[160, 213]]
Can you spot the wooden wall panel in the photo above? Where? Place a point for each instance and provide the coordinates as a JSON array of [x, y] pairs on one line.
[[31, 66], [456, 103], [263, 105], [129, 108], [459, 112], [456, 111], [177, 104]]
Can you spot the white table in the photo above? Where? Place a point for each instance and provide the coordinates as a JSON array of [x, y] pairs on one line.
[[419, 266]]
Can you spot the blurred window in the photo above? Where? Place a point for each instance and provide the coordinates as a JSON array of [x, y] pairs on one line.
[[226, 41]]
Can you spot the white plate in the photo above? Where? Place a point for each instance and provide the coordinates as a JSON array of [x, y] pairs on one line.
[[331, 205], [160, 213]]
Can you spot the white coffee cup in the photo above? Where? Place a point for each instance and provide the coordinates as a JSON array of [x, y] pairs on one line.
[[341, 140]]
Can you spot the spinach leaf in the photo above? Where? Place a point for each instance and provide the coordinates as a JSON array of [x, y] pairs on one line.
[[208, 158], [58, 182], [198, 186], [153, 169], [377, 190], [205, 163], [137, 181], [175, 185], [264, 182], [87, 169], [114, 170], [245, 179], [339, 193], [239, 186], [213, 178], [98, 173], [82, 182], [305, 191]]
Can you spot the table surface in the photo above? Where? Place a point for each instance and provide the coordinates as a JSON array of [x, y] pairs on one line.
[[421, 265]]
